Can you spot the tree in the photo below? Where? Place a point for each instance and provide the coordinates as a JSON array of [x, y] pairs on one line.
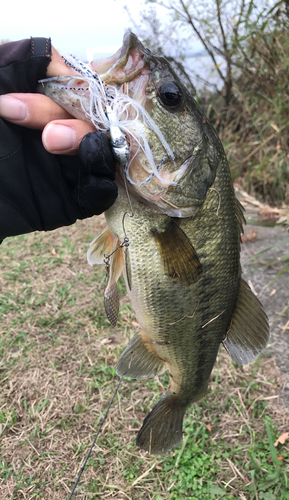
[[250, 106], [226, 28]]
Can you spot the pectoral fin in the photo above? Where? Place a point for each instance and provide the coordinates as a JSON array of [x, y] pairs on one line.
[[140, 360], [249, 330], [111, 295], [180, 260], [100, 246]]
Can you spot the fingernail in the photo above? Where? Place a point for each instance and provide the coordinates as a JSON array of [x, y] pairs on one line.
[[12, 109], [58, 138]]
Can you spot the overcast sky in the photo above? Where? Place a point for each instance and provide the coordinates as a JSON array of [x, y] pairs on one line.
[[75, 28]]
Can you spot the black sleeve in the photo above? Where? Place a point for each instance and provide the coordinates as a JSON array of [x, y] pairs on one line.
[[38, 190], [23, 63]]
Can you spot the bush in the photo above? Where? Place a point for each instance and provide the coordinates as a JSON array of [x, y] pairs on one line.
[[250, 111]]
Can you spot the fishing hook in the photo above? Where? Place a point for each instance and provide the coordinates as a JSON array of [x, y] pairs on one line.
[[125, 242]]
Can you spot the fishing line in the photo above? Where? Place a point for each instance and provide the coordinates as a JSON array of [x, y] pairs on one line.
[[125, 242], [129, 115], [95, 438], [130, 204], [219, 196]]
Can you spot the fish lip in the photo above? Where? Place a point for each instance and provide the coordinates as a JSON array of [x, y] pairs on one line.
[[129, 42], [129, 63]]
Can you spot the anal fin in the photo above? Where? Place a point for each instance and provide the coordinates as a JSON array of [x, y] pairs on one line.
[[248, 332], [139, 360]]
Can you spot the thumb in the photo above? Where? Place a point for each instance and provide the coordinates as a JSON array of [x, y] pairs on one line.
[[64, 136]]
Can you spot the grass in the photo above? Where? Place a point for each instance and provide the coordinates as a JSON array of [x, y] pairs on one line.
[[57, 370], [253, 126]]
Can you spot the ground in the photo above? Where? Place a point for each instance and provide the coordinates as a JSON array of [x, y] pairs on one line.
[[261, 272], [57, 371]]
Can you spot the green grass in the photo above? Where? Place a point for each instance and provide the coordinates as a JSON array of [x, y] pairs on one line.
[[57, 373]]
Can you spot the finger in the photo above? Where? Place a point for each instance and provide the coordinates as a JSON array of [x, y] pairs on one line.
[[64, 136], [58, 67], [30, 110]]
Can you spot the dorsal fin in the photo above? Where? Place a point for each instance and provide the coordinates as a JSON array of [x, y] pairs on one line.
[[249, 329], [240, 215]]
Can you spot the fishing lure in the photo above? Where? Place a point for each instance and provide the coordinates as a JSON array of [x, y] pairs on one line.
[[112, 111]]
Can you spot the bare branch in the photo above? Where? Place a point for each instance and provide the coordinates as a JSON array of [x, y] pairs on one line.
[[221, 27], [191, 22]]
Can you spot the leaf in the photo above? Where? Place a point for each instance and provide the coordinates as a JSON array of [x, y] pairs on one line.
[[209, 427], [280, 458], [272, 447], [267, 496], [275, 127], [281, 439], [271, 480], [251, 236], [269, 215], [216, 490]]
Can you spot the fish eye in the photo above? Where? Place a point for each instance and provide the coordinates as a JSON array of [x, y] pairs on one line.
[[170, 94]]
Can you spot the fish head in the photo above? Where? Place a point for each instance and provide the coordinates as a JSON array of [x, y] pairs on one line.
[[163, 124], [183, 180]]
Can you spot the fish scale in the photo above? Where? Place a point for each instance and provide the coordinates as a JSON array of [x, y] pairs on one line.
[[153, 293], [182, 264]]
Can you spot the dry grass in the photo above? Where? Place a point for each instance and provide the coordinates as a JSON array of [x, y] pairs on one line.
[[58, 354]]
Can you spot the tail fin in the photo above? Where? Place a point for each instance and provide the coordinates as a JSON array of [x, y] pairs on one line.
[[162, 428]]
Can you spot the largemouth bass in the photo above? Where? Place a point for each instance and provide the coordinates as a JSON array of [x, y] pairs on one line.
[[179, 250]]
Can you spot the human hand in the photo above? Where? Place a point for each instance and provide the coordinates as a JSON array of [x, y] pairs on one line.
[[39, 190], [62, 133]]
